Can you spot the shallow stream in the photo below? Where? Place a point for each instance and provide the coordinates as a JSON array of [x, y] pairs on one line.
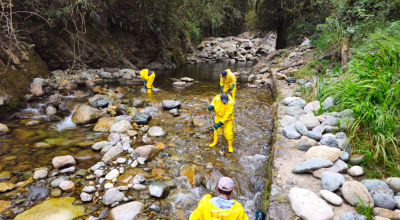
[[186, 156]]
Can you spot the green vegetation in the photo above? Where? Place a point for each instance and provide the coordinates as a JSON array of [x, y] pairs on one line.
[[363, 209]]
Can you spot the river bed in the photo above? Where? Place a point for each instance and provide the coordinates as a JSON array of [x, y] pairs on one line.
[[186, 156]]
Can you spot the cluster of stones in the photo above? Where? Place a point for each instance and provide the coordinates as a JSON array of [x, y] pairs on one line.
[[326, 157], [183, 82], [246, 47]]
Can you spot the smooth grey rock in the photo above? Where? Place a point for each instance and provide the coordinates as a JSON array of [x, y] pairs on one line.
[[89, 189], [372, 183], [311, 165], [310, 121], [99, 145], [302, 81], [142, 118], [328, 103], [314, 135], [329, 141], [147, 152], [97, 166], [287, 120], [352, 216], [312, 106], [112, 153], [301, 128], [331, 181], [305, 143], [341, 135], [345, 113], [170, 104], [320, 129], [159, 190], [114, 137], [394, 183], [127, 118], [291, 132], [330, 120], [37, 193], [397, 200], [55, 183], [344, 156], [300, 103], [112, 195], [384, 201], [379, 189], [294, 110]]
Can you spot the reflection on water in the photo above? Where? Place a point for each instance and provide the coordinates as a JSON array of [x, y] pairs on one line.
[[186, 145]]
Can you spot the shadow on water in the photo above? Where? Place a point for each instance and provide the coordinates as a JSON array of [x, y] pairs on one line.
[[186, 157]]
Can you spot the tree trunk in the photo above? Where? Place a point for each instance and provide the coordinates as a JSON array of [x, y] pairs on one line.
[[345, 52]]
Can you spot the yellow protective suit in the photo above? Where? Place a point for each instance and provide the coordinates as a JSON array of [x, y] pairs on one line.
[[224, 114], [207, 211], [144, 74], [227, 81]]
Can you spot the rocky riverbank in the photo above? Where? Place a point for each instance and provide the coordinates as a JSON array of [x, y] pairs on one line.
[[315, 174], [245, 47]]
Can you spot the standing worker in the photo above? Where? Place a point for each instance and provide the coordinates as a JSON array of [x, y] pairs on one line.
[[148, 79], [223, 105], [228, 82], [220, 207]]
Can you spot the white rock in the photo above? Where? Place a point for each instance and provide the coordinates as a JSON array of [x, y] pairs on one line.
[[308, 205], [121, 160], [63, 161], [108, 186], [112, 174], [331, 197], [129, 211], [356, 171], [85, 197], [67, 185], [99, 173]]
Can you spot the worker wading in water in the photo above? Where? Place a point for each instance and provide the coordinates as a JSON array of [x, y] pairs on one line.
[[228, 82], [223, 105], [148, 79]]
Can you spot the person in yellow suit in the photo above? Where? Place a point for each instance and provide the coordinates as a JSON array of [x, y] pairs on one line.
[[227, 82], [221, 207], [223, 105], [148, 79]]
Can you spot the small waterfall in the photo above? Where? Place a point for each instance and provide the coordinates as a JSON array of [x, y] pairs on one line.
[[67, 123]]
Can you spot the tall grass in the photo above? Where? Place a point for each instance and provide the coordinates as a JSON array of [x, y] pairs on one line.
[[372, 90]]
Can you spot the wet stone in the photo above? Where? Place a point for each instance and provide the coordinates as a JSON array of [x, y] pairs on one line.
[[56, 192], [97, 166], [37, 193], [89, 189], [56, 182], [170, 104], [99, 145], [142, 118], [85, 197], [159, 190], [112, 195]]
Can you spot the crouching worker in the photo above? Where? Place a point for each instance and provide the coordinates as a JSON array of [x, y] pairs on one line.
[[221, 207], [223, 105], [148, 78]]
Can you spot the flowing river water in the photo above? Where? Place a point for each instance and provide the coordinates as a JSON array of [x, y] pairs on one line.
[[186, 156]]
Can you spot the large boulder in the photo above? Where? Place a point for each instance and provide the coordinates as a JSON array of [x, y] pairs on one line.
[[63, 161], [128, 211], [148, 152], [352, 191], [120, 127], [142, 118], [170, 104], [85, 114], [309, 206]]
